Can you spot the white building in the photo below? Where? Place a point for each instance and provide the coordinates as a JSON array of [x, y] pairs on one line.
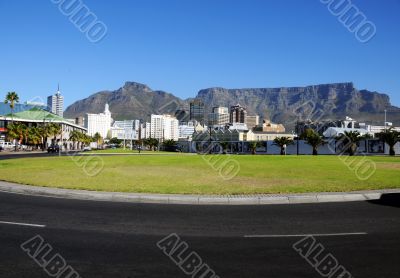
[[125, 130], [100, 123], [219, 116], [164, 127], [186, 131], [55, 103]]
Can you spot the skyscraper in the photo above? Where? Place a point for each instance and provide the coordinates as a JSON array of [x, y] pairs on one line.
[[219, 116], [197, 110], [55, 103], [238, 114], [99, 123], [164, 127]]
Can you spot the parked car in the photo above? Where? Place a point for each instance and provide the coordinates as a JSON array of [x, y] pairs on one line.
[[7, 145], [53, 149], [86, 149]]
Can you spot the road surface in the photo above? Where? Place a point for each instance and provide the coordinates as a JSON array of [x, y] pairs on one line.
[[105, 239]]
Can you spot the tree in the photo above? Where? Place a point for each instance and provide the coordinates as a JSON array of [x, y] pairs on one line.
[[97, 138], [349, 140], [34, 136], [224, 145], [12, 98], [115, 141], [151, 142], [17, 131], [46, 132], [54, 130], [169, 145], [75, 136], [283, 142], [253, 146], [313, 139], [390, 137]]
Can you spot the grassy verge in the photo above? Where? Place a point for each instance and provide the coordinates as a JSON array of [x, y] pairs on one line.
[[193, 175], [126, 151]]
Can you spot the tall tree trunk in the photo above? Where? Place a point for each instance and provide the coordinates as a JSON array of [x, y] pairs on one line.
[[392, 151]]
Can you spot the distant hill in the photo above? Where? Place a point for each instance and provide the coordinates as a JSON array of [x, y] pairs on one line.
[[281, 105]]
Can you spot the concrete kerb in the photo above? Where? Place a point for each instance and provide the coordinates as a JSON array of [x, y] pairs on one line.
[[262, 199]]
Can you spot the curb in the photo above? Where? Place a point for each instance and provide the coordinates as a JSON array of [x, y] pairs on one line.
[[263, 199]]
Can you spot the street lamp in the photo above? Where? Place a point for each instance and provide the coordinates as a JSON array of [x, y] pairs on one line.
[[385, 119], [297, 133], [140, 134], [210, 151]]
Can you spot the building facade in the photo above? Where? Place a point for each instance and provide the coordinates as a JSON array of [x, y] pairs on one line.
[[237, 114], [99, 123], [252, 121], [197, 111], [186, 131], [55, 103], [219, 116], [125, 130], [164, 127], [38, 118]]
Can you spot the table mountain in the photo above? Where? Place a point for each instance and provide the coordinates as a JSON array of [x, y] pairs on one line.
[[282, 105], [132, 101]]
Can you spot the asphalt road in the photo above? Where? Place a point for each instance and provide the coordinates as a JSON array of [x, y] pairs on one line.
[[104, 239]]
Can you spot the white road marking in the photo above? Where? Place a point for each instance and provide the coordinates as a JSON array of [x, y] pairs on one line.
[[305, 235], [23, 224]]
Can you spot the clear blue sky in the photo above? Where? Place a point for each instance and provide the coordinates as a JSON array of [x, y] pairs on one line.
[[182, 46]]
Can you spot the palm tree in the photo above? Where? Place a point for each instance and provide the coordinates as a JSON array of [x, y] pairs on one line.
[[151, 142], [253, 146], [14, 131], [224, 146], [75, 136], [17, 131], [390, 137], [46, 131], [283, 142], [169, 145], [314, 140], [54, 130], [34, 136], [86, 139], [97, 138], [12, 98], [350, 139]]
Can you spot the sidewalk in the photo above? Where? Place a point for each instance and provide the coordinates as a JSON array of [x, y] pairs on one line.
[[262, 199]]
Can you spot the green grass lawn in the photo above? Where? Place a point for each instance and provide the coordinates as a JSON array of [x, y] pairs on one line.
[[122, 151], [193, 175]]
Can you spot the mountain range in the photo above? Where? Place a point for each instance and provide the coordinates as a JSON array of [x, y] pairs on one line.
[[281, 105]]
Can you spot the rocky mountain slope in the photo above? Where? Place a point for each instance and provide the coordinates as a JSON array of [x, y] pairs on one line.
[[283, 105]]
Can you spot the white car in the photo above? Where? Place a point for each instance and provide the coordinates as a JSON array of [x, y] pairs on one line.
[[7, 145]]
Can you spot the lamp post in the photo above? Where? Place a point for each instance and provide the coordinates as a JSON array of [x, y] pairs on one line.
[[385, 119], [210, 141], [140, 135], [297, 136]]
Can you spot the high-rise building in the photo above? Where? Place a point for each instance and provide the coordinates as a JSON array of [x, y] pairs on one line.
[[100, 123], [252, 121], [197, 110], [55, 103], [164, 127], [219, 116], [237, 114]]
